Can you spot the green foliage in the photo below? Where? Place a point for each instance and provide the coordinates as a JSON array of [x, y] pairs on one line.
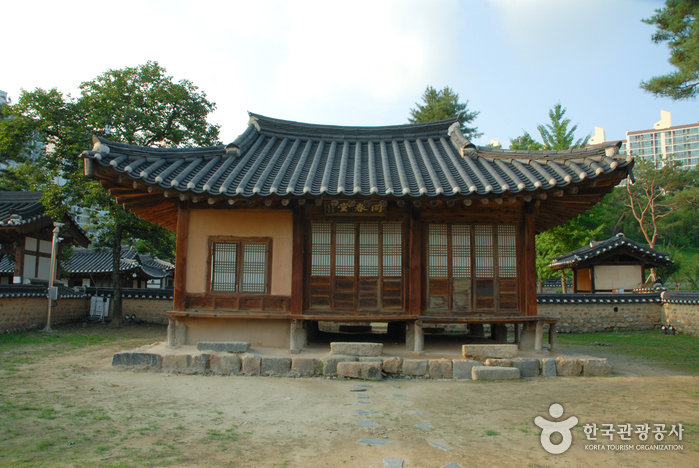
[[677, 24], [444, 104], [525, 142], [560, 240], [556, 135]]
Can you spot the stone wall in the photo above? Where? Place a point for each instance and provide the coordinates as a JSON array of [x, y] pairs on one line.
[[26, 313], [587, 317], [147, 310], [681, 310]]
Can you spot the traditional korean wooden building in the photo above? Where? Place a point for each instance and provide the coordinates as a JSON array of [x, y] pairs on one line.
[[617, 264], [292, 224], [26, 235]]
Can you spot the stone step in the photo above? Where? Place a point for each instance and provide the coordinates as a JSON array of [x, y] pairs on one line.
[[356, 349], [224, 346], [494, 373], [490, 350], [359, 370]]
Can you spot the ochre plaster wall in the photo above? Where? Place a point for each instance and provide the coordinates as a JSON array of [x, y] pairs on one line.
[[238, 223], [273, 333]]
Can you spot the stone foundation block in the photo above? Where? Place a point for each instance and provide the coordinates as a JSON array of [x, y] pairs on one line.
[[527, 367], [356, 349], [330, 363], [176, 361], [369, 359], [393, 365], [527, 340], [129, 358], [250, 364], [200, 363], [548, 367], [277, 366], [490, 350], [568, 367], [462, 368], [359, 370], [415, 367], [224, 346], [306, 367], [596, 367], [441, 369], [226, 364], [498, 362], [494, 373]]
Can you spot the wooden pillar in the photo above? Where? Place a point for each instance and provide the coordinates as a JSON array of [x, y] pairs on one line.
[[529, 267], [19, 260], [575, 281], [180, 282], [416, 290], [297, 264]]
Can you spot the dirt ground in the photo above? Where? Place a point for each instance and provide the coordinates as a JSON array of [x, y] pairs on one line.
[[104, 416]]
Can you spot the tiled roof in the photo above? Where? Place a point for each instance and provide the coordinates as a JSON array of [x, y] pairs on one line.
[[91, 261], [26, 206], [629, 298], [133, 293], [8, 291], [283, 158], [618, 244], [7, 266], [22, 209], [681, 297]]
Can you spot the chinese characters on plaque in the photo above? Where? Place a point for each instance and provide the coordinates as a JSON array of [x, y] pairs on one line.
[[353, 207]]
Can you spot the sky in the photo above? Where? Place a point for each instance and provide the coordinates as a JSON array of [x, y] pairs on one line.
[[363, 62]]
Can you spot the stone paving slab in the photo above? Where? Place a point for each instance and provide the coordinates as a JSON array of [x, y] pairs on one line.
[[596, 367], [392, 365], [527, 367], [446, 448], [367, 423], [176, 361], [424, 426], [494, 373], [200, 363], [441, 369], [224, 346], [356, 349], [275, 366], [490, 350], [568, 367], [226, 364], [361, 411], [415, 367], [375, 441], [330, 363], [452, 465], [393, 463], [548, 367], [306, 367], [250, 364]]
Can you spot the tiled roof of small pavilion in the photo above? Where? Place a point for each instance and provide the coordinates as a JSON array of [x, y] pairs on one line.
[[23, 212], [90, 261], [616, 246], [275, 159]]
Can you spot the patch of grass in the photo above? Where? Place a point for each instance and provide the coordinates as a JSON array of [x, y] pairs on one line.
[[229, 434], [491, 433], [44, 445], [680, 352], [48, 413]]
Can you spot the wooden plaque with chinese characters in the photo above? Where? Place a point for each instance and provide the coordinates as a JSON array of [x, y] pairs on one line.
[[353, 207]]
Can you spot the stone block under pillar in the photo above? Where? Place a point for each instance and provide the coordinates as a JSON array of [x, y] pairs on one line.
[[476, 330], [527, 339]]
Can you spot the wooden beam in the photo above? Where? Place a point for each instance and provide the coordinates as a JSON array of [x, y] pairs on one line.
[[297, 263], [180, 284]]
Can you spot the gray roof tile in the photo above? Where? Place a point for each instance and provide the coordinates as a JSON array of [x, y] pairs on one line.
[[282, 158]]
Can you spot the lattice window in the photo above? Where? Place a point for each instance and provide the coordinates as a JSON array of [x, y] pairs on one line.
[[239, 265], [438, 251], [369, 250], [392, 250], [344, 249], [483, 250], [461, 250], [507, 251], [321, 245]]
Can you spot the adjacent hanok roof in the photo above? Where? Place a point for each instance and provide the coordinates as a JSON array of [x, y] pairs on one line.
[[276, 159], [84, 262], [615, 248], [23, 213]]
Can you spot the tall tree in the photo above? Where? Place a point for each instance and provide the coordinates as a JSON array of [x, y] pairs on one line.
[[444, 104], [678, 25], [136, 105], [525, 142], [556, 135]]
